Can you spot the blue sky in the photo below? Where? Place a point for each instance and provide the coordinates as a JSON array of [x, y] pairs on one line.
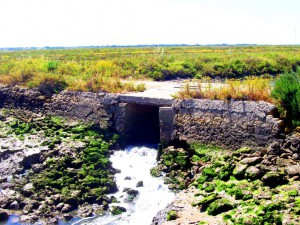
[[128, 22]]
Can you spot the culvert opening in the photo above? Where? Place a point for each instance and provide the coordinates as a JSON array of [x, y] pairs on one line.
[[142, 124]]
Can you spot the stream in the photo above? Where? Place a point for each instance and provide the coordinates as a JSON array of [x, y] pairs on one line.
[[135, 164]]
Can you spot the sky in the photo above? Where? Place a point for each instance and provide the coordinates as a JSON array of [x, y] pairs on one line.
[[26, 23]]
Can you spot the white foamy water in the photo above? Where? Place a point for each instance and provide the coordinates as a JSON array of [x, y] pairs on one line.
[[136, 162]]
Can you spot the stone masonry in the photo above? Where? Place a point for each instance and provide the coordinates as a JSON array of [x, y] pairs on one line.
[[229, 124]]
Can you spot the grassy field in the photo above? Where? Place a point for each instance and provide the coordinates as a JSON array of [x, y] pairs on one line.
[[102, 69]]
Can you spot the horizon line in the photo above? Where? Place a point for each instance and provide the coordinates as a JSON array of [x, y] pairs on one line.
[[134, 45]]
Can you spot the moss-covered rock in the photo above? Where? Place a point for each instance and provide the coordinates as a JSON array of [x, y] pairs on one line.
[[274, 179], [172, 215], [219, 206], [77, 170], [117, 210]]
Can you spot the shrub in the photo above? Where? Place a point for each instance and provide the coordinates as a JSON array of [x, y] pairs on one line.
[[287, 92], [251, 88], [52, 66], [48, 84]]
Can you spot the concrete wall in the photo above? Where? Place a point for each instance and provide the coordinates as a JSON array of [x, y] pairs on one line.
[[230, 124]]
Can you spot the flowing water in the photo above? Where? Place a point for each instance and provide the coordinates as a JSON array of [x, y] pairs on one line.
[[135, 164]]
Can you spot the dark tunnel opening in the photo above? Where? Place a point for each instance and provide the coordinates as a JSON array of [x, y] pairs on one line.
[[142, 125]]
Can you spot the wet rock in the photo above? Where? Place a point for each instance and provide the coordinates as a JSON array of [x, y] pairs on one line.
[[6, 198], [31, 219], [3, 215], [155, 172], [99, 209], [14, 205], [43, 210], [28, 189], [113, 199], [161, 216], [85, 211], [27, 209], [56, 198], [60, 206], [51, 221], [117, 210], [131, 191], [66, 208], [67, 216], [131, 194], [172, 186], [140, 184]]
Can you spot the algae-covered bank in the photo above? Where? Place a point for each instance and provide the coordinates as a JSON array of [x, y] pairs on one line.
[[50, 166], [245, 186]]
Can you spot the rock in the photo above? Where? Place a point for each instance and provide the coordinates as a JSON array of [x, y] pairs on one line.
[[3, 215], [131, 191], [155, 172], [31, 219], [127, 178], [66, 208], [99, 209], [67, 216], [272, 179], [251, 161], [85, 211], [240, 169], [43, 210], [27, 189], [219, 206], [52, 221], [293, 170], [253, 173], [140, 184], [113, 199], [27, 209], [172, 215], [274, 149], [204, 202], [14, 205], [117, 210], [36, 168], [60, 206], [161, 216], [3, 179], [131, 194], [6, 198]]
